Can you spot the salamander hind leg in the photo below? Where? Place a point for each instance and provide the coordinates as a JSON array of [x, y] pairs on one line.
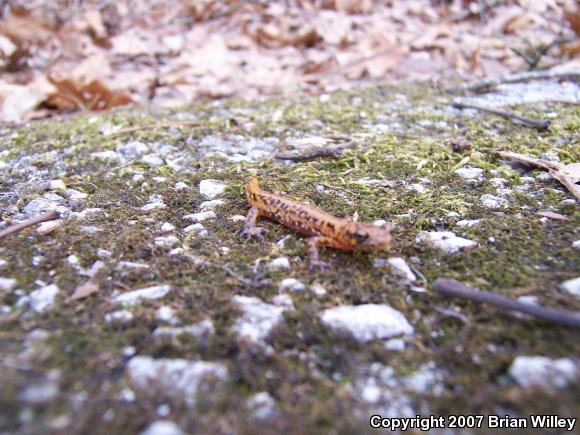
[[313, 244], [250, 230]]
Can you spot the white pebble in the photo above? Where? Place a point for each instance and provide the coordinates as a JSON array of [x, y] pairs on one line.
[[198, 229], [166, 227], [445, 240], [211, 205], [148, 293], [7, 284], [543, 372], [41, 300], [280, 263], [166, 314], [211, 188], [571, 286], [120, 317], [201, 216], [291, 284], [493, 202], [367, 322]]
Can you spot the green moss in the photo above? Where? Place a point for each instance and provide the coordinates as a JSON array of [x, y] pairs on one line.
[[309, 368]]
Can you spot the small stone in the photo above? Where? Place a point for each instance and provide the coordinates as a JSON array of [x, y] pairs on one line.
[[176, 252], [318, 290], [367, 322], [211, 205], [178, 378], [75, 194], [262, 406], [543, 372], [7, 284], [237, 218], [41, 300], [166, 242], [107, 156], [493, 202], [119, 317], [89, 214], [470, 174], [257, 320], [198, 229], [466, 223], [162, 427], [400, 268], [453, 214], [576, 244], [132, 150], [571, 286], [197, 330], [498, 182], [445, 240], [544, 176], [90, 229], [166, 227], [37, 394], [395, 344], [151, 207], [180, 185], [283, 300], [280, 263], [148, 293], [166, 314], [211, 188], [201, 216], [130, 266], [152, 160], [291, 284], [41, 205]]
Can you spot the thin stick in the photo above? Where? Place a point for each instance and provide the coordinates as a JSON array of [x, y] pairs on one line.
[[520, 77], [158, 125], [332, 153], [558, 170], [450, 287], [43, 217], [540, 124]]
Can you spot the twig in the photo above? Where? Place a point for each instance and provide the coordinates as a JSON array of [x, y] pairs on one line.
[[245, 281], [540, 124], [320, 152], [43, 217], [158, 125], [450, 287], [315, 153], [520, 77], [561, 172]]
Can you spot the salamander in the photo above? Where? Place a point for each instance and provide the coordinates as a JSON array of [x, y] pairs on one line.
[[322, 228]]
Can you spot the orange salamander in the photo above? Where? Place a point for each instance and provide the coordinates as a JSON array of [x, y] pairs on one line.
[[323, 228]]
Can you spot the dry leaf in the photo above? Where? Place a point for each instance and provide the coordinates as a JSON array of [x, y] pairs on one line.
[[86, 289], [93, 96]]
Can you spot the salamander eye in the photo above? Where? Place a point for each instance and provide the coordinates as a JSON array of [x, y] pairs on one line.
[[361, 236]]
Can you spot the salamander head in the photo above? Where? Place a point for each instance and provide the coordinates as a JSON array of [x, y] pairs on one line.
[[369, 237]]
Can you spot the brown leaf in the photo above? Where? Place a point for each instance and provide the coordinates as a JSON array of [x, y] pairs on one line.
[[86, 289], [93, 96], [573, 17]]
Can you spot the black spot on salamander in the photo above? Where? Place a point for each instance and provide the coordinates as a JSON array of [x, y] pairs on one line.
[[254, 197]]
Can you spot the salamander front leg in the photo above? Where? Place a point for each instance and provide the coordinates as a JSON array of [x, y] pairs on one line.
[[313, 244], [250, 229]]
